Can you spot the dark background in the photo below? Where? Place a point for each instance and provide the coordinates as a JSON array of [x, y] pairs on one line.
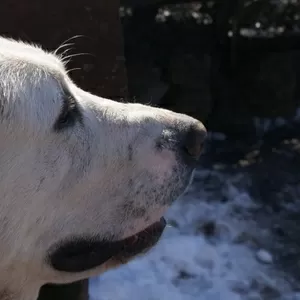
[[224, 62]]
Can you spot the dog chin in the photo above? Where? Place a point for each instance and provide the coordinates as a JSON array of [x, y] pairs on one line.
[[81, 254]]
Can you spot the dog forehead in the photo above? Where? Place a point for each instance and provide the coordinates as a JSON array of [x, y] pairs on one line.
[[18, 52], [31, 84]]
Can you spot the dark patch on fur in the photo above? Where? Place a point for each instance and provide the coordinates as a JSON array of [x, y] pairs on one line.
[[142, 187], [1, 109], [130, 183], [42, 179], [135, 211], [159, 145], [139, 212], [130, 153], [6, 295], [70, 113], [137, 193]]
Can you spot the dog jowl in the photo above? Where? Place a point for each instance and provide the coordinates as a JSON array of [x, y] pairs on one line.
[[84, 180]]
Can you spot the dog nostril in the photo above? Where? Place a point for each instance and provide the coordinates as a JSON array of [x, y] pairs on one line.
[[194, 140]]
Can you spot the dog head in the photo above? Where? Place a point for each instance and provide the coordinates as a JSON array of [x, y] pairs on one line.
[[84, 180]]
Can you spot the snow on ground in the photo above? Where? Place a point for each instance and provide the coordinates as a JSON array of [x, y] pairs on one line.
[[215, 250]]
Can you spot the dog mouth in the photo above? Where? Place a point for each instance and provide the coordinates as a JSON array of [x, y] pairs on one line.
[[82, 254]]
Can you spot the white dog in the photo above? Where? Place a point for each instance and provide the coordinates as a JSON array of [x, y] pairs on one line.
[[84, 181]]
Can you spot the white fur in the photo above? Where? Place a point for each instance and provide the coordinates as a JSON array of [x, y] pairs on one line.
[[57, 184]]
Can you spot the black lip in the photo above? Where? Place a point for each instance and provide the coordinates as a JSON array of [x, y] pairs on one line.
[[84, 253], [142, 241]]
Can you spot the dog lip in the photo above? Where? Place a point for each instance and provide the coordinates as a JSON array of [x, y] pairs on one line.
[[153, 229], [142, 241], [84, 253]]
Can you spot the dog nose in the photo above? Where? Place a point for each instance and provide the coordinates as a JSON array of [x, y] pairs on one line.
[[192, 142]]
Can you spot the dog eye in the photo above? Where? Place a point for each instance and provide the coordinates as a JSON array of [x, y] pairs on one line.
[[69, 115], [65, 119]]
